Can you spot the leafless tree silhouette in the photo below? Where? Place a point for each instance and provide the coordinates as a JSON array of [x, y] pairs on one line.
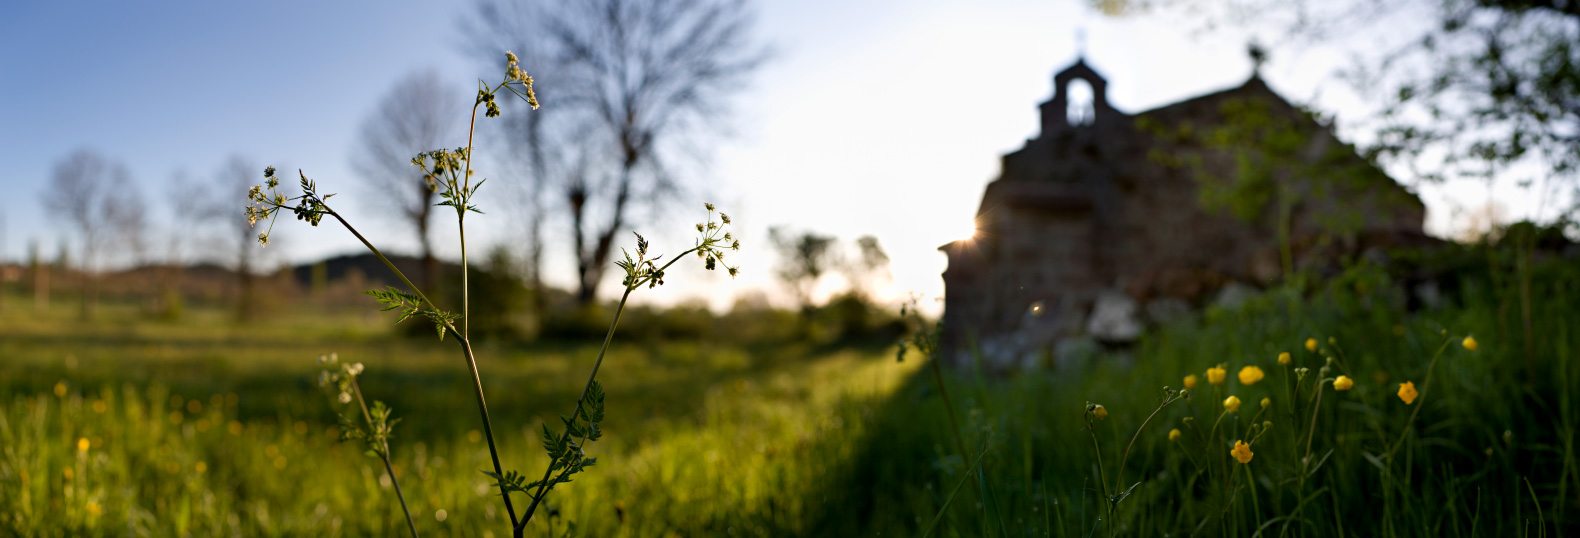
[[624, 83], [95, 197], [231, 184], [419, 114]]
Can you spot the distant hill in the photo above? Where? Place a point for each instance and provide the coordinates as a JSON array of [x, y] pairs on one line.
[[369, 266]]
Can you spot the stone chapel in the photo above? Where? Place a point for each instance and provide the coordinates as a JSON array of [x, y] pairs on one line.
[[1094, 228]]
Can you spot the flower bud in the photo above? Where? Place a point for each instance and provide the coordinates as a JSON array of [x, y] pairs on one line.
[[1100, 412], [1469, 343], [1343, 383], [1284, 359], [1267, 402], [1174, 434], [1231, 404], [1311, 345]]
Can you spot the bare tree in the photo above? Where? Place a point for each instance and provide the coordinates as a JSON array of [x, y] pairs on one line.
[[624, 82], [234, 179], [419, 114], [95, 196]]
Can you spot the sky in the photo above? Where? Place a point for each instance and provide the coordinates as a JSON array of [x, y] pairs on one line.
[[879, 117]]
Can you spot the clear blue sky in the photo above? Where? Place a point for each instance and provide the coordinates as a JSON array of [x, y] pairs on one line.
[[879, 117]]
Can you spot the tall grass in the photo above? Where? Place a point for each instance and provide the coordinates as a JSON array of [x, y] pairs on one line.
[[1484, 450]]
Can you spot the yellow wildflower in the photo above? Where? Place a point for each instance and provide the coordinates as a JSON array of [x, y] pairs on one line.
[[1407, 392], [94, 509], [1174, 434], [1267, 402], [1250, 375], [1311, 344], [1216, 375], [1190, 381], [82, 444], [1284, 359], [1100, 412], [1343, 383], [1242, 452], [1231, 404], [1469, 343]]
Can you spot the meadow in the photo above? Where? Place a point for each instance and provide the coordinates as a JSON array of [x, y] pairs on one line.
[[206, 427]]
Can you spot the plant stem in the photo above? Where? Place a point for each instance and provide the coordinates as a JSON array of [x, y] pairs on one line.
[[543, 487], [954, 425], [1119, 475], [385, 454], [1255, 505], [1425, 385], [466, 349]]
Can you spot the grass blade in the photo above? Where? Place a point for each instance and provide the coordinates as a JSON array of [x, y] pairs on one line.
[[963, 480]]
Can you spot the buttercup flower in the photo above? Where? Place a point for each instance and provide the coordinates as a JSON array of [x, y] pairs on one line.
[[1174, 434], [1231, 404], [1343, 383], [1267, 402], [1216, 374], [1284, 359], [1469, 343], [1311, 344], [1241, 452], [1407, 392], [1100, 412], [82, 444], [1250, 375], [1190, 381]]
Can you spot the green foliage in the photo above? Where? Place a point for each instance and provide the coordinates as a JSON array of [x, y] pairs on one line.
[[411, 305]]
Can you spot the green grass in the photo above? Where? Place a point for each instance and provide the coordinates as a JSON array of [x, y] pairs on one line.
[[777, 439], [701, 438]]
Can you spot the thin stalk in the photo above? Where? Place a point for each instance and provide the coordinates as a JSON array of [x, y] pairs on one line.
[[466, 348], [460, 220], [1425, 386], [1119, 476], [954, 425], [385, 454], [537, 498], [1255, 505]]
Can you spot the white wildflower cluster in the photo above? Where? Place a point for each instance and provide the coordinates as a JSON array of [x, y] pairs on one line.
[[341, 375]]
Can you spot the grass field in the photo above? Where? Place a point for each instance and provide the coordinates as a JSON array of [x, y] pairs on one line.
[[207, 428]]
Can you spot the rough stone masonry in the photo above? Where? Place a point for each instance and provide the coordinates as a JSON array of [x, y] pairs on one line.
[[1092, 229]]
